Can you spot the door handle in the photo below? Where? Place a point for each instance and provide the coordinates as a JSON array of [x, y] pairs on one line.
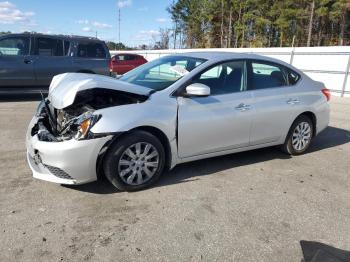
[[28, 61], [242, 107], [293, 101]]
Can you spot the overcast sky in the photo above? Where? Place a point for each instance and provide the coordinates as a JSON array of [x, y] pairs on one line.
[[140, 19]]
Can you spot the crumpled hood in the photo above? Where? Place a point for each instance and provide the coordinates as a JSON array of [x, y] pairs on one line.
[[64, 87]]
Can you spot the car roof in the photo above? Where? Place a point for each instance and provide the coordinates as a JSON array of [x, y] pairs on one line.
[[127, 54], [220, 55], [228, 55], [68, 37]]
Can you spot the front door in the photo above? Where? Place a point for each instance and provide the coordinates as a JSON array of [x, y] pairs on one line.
[[221, 121], [16, 63]]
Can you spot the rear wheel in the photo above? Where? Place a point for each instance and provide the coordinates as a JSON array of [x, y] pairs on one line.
[[299, 136], [135, 162]]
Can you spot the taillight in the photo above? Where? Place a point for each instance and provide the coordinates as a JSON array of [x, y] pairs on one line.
[[326, 93], [111, 61], [110, 65]]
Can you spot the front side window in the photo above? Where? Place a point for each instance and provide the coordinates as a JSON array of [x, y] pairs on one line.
[[266, 75], [49, 47], [91, 50], [161, 73], [14, 46], [125, 57], [225, 78], [121, 58]]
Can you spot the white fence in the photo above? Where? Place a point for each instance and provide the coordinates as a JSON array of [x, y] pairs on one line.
[[330, 65]]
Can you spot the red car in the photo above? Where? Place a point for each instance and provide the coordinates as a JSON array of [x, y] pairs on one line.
[[122, 63]]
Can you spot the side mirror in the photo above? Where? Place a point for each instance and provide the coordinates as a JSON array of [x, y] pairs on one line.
[[198, 89]]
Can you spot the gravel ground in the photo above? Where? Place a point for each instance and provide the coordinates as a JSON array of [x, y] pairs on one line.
[[252, 206]]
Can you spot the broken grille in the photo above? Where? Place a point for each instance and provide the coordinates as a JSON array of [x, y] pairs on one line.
[[58, 172]]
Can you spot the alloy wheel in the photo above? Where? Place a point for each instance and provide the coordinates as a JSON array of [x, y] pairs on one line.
[[138, 163], [301, 136]]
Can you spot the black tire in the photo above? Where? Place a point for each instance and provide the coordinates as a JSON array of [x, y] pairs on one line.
[[117, 150], [288, 147]]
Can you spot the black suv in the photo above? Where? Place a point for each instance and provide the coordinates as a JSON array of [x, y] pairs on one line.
[[33, 59]]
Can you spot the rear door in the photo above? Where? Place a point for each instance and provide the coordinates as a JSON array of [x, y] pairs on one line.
[[51, 58], [274, 102], [16, 63], [221, 121]]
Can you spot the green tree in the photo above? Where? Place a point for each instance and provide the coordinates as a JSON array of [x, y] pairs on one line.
[[261, 23], [117, 46]]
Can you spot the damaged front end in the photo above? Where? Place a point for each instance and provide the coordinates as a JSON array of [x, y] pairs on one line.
[[61, 147], [76, 120]]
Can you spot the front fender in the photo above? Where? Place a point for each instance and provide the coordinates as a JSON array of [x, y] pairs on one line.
[[155, 112]]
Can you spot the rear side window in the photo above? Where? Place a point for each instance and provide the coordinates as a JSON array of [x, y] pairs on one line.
[[130, 57], [49, 47], [14, 46], [266, 75], [91, 50]]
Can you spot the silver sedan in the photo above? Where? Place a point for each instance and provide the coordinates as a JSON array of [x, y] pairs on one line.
[[169, 111]]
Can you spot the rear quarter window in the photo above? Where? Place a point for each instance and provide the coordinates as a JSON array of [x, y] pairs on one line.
[[91, 50], [292, 76]]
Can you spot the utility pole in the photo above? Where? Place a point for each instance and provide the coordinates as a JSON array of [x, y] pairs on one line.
[[175, 30], [119, 25], [175, 33], [310, 23], [222, 25]]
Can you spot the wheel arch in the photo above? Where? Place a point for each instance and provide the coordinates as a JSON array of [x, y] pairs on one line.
[[86, 71], [313, 119], [150, 129], [162, 138]]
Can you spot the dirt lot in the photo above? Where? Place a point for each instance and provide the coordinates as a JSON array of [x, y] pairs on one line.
[[252, 206]]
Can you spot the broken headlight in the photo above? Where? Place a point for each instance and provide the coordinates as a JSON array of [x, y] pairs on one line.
[[84, 124]]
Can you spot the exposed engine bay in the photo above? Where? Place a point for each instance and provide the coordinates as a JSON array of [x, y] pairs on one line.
[[75, 121]]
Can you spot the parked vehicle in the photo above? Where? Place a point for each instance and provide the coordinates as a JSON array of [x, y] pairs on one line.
[[169, 111], [123, 63], [33, 59]]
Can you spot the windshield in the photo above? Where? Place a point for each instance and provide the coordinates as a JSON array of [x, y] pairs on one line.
[[161, 73]]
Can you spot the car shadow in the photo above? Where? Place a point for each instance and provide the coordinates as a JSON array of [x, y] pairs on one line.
[[319, 252], [188, 172], [22, 94], [330, 137]]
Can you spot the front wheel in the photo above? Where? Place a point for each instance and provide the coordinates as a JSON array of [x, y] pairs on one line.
[[299, 136], [135, 162]]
